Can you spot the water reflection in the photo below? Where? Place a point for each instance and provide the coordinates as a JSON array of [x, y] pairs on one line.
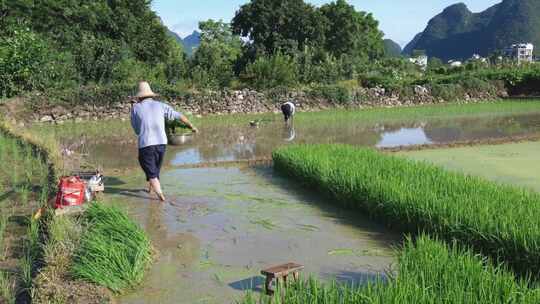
[[405, 136], [290, 134], [229, 143]]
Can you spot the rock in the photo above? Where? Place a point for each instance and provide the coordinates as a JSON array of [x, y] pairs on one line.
[[420, 90], [46, 118]]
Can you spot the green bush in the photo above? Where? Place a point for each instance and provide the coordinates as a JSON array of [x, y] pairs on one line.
[[27, 63], [270, 72], [114, 251], [447, 92], [498, 220], [334, 93]]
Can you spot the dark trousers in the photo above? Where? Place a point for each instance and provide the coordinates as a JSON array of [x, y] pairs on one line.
[[151, 159]]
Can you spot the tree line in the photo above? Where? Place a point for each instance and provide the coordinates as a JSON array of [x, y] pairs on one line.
[[51, 45], [67, 43]]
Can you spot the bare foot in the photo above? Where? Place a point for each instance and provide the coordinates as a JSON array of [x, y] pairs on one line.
[[161, 196]]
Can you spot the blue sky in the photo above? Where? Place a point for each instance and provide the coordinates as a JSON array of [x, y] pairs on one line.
[[400, 20]]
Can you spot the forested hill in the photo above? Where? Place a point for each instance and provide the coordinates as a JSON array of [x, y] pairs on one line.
[[190, 43], [457, 33], [391, 48]]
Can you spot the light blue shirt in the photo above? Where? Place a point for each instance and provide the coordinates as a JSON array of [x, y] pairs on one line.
[[148, 121]]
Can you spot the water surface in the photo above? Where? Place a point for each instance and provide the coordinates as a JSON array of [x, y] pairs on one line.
[[231, 143], [223, 225]]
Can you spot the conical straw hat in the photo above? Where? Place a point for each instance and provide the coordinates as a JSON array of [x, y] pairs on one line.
[[145, 90]]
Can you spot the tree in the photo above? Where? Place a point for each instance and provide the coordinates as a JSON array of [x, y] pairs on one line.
[[349, 32], [279, 25], [214, 60]]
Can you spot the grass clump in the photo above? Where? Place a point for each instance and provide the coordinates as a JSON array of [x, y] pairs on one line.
[[3, 226], [7, 289], [498, 220], [114, 251], [428, 271]]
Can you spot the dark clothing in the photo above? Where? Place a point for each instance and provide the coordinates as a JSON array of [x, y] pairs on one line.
[[288, 110], [151, 159]]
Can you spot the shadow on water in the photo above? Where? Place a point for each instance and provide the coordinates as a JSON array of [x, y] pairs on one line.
[[255, 284], [357, 279], [347, 278]]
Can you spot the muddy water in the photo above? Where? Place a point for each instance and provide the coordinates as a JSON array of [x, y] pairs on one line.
[[221, 226], [230, 143]]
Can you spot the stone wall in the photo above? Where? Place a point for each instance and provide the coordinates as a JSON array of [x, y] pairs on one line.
[[249, 101]]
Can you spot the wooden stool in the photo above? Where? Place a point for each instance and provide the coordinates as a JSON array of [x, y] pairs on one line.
[[280, 272]]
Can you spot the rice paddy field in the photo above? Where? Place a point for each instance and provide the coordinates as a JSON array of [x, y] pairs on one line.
[[517, 164], [423, 225], [23, 188]]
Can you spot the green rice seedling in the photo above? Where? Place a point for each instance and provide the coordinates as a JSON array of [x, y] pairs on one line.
[[23, 192], [26, 266], [427, 271], [7, 289], [114, 252], [28, 262], [497, 220], [3, 225]]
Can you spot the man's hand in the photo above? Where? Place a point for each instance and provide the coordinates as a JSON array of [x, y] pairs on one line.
[[195, 130]]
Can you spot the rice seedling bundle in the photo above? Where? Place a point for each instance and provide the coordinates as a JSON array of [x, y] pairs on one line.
[[114, 252], [496, 219]]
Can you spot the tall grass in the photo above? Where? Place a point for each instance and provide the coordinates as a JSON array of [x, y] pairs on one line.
[[428, 271], [7, 289], [498, 220], [114, 251]]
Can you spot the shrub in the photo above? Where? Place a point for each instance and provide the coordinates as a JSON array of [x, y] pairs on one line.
[[271, 72], [334, 93], [447, 92], [27, 63]]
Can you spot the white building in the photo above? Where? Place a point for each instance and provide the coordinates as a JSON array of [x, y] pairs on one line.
[[421, 61], [479, 58], [455, 63], [522, 52]]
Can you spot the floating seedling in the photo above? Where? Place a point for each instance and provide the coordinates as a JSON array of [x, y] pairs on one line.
[[265, 223]]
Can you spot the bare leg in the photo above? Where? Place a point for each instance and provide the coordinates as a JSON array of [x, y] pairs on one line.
[[150, 189], [156, 185]]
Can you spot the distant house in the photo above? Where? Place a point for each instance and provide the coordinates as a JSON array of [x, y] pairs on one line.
[[421, 61], [522, 52], [455, 63], [478, 58]]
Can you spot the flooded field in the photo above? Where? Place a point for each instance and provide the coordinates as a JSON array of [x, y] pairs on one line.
[[516, 164], [223, 225], [222, 142]]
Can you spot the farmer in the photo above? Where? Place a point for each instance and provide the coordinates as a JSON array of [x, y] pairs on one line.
[[288, 110], [148, 121]]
